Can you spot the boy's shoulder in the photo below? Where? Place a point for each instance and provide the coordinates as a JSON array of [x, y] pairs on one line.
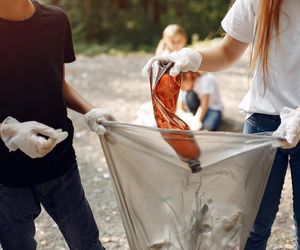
[[205, 78], [52, 11]]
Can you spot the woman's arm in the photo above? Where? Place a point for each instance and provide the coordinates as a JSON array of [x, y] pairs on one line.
[[223, 55], [74, 100]]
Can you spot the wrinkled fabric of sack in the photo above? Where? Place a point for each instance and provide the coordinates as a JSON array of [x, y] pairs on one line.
[[164, 206]]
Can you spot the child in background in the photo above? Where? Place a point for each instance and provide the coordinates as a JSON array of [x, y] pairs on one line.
[[195, 86], [201, 98], [174, 38]]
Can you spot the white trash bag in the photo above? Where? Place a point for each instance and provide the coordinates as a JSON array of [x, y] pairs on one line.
[[164, 206]]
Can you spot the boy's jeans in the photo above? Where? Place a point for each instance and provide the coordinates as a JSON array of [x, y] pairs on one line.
[[212, 119], [64, 200], [269, 206]]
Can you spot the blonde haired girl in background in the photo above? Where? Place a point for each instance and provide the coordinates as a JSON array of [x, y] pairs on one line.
[[174, 38]]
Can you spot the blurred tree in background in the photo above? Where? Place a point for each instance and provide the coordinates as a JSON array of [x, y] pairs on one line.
[[136, 24]]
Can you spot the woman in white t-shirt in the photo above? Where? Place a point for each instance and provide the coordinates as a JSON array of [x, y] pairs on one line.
[[200, 97], [272, 28]]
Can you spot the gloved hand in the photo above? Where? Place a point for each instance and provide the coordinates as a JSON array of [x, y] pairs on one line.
[[29, 137], [289, 128], [94, 118], [184, 60], [196, 124]]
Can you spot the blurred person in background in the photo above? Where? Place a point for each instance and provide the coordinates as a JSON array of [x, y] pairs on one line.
[[200, 97], [174, 38]]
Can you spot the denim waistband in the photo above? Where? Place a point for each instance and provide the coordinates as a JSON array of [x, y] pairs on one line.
[[265, 116]]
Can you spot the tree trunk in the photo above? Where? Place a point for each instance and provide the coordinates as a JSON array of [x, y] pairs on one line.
[[153, 12], [87, 6], [121, 4], [55, 2]]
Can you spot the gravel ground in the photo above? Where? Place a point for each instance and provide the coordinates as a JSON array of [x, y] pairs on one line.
[[116, 82]]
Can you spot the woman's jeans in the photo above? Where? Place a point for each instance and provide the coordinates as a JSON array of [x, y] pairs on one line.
[[261, 230], [64, 200], [212, 118]]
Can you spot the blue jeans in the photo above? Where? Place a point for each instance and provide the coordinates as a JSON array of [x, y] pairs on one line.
[[64, 200], [212, 118], [269, 206]]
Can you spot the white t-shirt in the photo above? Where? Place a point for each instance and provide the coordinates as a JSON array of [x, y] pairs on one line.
[[207, 85], [283, 82]]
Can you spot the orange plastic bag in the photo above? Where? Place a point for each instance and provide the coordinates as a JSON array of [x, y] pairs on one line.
[[164, 91]]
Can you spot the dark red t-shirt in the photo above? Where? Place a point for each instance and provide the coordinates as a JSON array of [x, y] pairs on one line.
[[32, 57]]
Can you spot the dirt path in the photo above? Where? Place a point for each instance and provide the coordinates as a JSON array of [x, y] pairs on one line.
[[115, 82]]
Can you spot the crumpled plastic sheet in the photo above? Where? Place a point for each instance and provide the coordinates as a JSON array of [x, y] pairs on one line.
[[164, 206]]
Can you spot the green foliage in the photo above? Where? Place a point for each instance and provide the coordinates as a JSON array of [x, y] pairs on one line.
[[134, 24]]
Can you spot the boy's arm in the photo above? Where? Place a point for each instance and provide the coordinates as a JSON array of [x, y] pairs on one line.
[[197, 121], [74, 100], [92, 116], [204, 107]]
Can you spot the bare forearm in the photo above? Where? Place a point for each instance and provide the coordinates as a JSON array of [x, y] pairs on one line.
[[214, 60], [74, 100], [203, 113], [223, 55]]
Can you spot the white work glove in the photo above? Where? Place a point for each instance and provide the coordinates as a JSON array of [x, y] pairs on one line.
[[95, 117], [289, 128], [196, 124], [29, 137], [184, 60]]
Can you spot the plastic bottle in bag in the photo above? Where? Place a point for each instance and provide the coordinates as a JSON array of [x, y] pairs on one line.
[[164, 91]]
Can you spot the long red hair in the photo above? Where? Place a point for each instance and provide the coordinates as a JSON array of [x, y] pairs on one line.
[[267, 25]]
